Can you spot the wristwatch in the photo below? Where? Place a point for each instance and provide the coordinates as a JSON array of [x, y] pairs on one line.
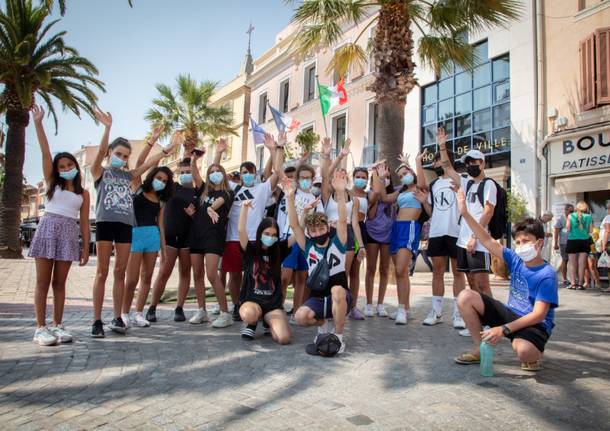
[[507, 332]]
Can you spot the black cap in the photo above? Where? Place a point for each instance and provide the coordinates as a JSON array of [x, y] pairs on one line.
[[326, 345]]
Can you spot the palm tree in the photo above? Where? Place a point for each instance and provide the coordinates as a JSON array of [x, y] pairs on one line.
[[441, 45], [189, 112], [62, 5], [34, 62]]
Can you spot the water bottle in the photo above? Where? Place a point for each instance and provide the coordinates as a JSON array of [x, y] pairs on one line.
[[487, 359]]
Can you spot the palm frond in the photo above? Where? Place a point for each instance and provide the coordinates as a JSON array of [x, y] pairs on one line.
[[440, 52], [348, 55]]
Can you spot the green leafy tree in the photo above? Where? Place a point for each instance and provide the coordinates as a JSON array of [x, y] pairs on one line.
[[442, 24], [34, 62], [516, 206], [308, 140]]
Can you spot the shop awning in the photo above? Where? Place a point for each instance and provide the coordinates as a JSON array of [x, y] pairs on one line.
[[584, 183]]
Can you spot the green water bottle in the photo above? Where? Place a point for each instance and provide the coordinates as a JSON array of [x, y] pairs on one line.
[[487, 359]]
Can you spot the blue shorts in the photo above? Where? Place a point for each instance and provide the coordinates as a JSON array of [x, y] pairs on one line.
[[405, 234], [323, 307], [296, 259], [145, 239]]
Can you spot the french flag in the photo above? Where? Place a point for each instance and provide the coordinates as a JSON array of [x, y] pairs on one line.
[[283, 122]]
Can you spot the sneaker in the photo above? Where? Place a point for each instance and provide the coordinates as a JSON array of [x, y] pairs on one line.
[[248, 332], [381, 311], [118, 325], [368, 310], [458, 322], [179, 315], [151, 314], [324, 328], [223, 320], [356, 314], [342, 348], [464, 332], [200, 316], [44, 337], [230, 307], [127, 320], [97, 330], [432, 319], [140, 321], [236, 316], [61, 334], [392, 315], [401, 317], [216, 309]]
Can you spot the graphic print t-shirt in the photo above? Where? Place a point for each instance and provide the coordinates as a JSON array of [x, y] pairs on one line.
[[335, 258], [259, 195], [114, 201], [475, 208], [301, 200], [203, 228], [528, 285], [260, 284], [445, 216]]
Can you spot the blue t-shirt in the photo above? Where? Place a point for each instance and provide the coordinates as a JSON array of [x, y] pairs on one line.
[[531, 284]]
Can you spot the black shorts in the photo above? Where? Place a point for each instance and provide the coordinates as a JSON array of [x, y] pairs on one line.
[[364, 234], [578, 246], [443, 246], [371, 240], [215, 248], [113, 231], [498, 314], [177, 240], [479, 262]]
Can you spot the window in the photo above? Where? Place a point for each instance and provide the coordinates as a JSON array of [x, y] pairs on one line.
[[339, 130], [581, 4], [284, 95], [260, 158], [473, 108], [310, 83], [595, 69], [369, 152], [262, 108]]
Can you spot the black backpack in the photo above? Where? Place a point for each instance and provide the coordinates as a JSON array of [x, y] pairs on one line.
[[317, 281], [499, 219]]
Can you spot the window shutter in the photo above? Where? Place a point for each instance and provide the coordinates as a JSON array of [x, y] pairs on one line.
[[602, 60], [587, 72]]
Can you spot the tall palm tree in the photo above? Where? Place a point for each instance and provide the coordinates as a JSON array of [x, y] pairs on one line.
[[442, 24], [34, 62], [62, 5], [188, 112]]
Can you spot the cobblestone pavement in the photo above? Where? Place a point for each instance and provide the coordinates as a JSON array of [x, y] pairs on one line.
[[181, 376]]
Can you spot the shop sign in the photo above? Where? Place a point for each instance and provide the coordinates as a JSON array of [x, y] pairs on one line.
[[586, 152]]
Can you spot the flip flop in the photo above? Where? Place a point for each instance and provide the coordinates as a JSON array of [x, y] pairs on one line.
[[468, 359], [531, 366]]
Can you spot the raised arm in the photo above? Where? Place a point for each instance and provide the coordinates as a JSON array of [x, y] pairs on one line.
[[339, 185], [242, 227], [325, 149], [152, 161], [373, 199], [106, 120], [221, 147], [379, 175], [441, 137], [419, 171], [278, 160], [293, 218], [150, 143], [47, 159], [480, 232], [270, 144], [340, 157], [84, 228], [197, 179]]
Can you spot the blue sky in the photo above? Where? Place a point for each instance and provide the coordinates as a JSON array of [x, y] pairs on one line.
[[154, 42]]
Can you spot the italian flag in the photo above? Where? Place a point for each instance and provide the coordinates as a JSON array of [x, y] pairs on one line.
[[331, 96]]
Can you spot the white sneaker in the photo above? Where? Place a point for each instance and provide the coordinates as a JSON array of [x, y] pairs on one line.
[[458, 322], [44, 337], [342, 348], [223, 320], [464, 332], [60, 333], [381, 311], [139, 321], [432, 319], [231, 307], [127, 320], [401, 317], [200, 316], [368, 310], [216, 309]]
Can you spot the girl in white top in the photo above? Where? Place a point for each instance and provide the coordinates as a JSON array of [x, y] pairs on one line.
[[56, 244]]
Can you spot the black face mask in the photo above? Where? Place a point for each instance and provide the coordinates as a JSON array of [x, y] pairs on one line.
[[473, 170], [320, 240], [439, 171]]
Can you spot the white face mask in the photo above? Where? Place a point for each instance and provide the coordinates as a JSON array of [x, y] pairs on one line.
[[527, 252]]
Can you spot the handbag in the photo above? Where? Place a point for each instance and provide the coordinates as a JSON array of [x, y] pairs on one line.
[[603, 261], [317, 281]]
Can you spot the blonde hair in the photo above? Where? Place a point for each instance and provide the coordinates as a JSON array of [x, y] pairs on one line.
[[581, 207], [224, 185]]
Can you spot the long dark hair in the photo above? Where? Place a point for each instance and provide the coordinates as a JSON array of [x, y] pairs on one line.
[[273, 252], [56, 180], [165, 194]]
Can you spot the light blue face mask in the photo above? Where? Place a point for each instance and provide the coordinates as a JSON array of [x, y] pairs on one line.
[[360, 183], [407, 180], [305, 183], [69, 175], [267, 240], [115, 162], [216, 178], [186, 178], [158, 185], [248, 179]]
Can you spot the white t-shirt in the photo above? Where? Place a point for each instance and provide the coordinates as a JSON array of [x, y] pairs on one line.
[[602, 230], [332, 210], [475, 209], [259, 195], [445, 215], [301, 200]]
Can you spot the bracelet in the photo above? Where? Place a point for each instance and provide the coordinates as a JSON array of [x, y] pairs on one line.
[[164, 151]]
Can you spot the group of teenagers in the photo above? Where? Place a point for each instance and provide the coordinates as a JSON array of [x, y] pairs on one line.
[[256, 233]]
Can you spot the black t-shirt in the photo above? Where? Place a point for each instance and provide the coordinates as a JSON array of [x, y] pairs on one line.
[[202, 228], [260, 284], [177, 221], [145, 210]]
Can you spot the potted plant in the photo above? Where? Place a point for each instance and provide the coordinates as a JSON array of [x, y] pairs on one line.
[[307, 140]]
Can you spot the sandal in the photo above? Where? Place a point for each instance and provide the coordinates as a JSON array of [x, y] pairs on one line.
[[531, 366], [580, 287], [571, 287], [468, 359]]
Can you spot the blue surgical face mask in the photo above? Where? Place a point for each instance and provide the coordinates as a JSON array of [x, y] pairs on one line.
[[316, 191], [268, 240], [248, 179], [360, 183], [407, 180], [216, 178], [69, 175], [305, 183], [186, 178], [158, 185], [115, 162]]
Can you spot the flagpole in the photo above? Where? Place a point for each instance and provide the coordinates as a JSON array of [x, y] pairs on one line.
[[321, 110]]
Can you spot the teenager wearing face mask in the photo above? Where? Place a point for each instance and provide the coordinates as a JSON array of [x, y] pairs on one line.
[[259, 194], [55, 244], [114, 219], [527, 318]]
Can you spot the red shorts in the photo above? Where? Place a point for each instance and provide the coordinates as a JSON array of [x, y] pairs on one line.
[[231, 259]]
